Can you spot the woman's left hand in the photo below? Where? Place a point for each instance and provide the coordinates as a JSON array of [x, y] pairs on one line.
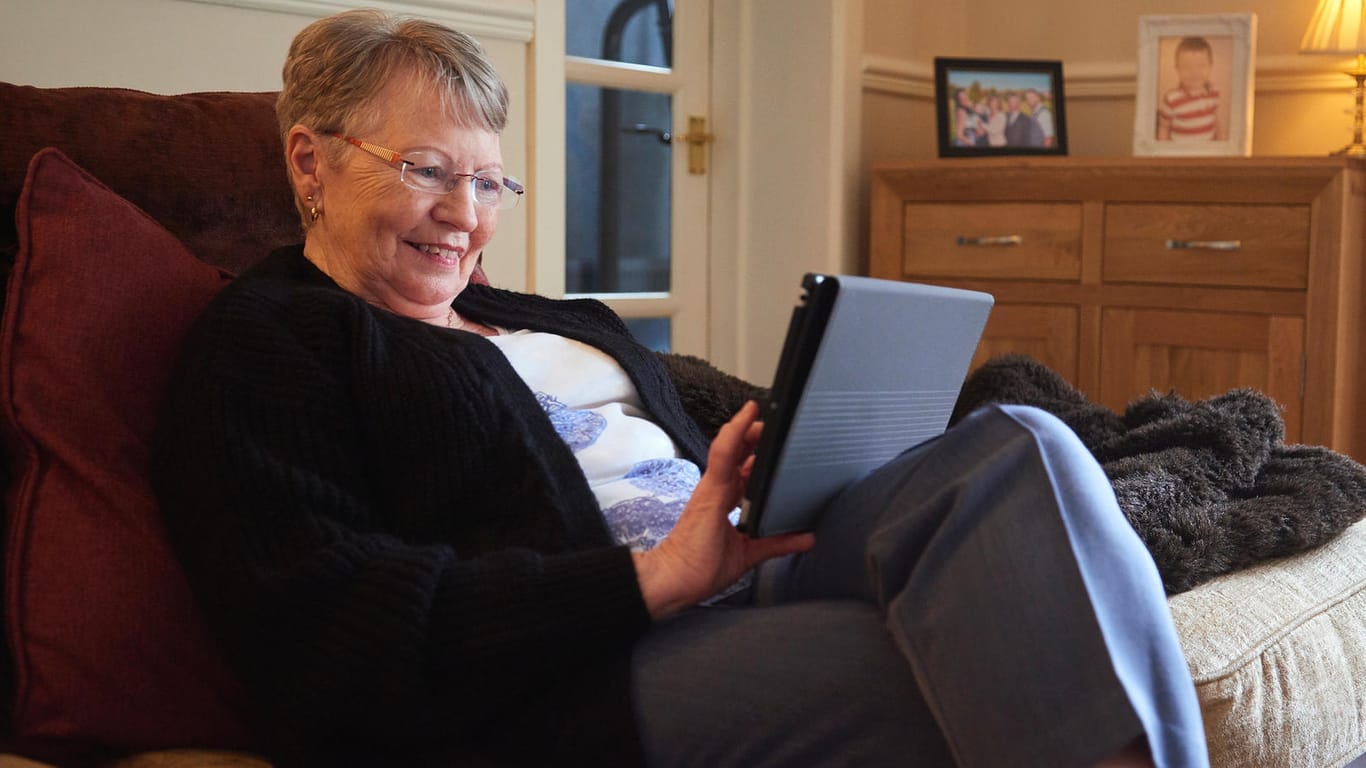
[[704, 553]]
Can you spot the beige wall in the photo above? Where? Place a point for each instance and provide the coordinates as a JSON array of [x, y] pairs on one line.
[[1081, 30], [1301, 104], [785, 202], [153, 45]]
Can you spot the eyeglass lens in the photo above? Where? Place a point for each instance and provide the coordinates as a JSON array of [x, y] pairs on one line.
[[429, 173]]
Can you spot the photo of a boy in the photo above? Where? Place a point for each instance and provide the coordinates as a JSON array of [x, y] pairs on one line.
[[1196, 81], [1191, 111]]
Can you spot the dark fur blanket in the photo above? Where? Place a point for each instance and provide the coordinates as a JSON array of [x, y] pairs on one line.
[[710, 396], [1210, 486]]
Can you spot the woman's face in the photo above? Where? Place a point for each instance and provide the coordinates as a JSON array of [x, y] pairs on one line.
[[408, 250]]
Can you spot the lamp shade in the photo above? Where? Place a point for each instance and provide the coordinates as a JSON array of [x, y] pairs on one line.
[[1337, 27]]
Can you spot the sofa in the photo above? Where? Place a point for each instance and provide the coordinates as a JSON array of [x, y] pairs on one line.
[[117, 236]]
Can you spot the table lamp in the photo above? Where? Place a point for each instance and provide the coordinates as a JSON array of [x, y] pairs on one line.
[[1339, 27]]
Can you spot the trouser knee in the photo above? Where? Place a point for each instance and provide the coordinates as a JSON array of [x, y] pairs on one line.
[[1044, 434]]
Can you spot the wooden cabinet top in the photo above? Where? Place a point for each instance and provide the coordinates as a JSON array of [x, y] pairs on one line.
[[1218, 179]]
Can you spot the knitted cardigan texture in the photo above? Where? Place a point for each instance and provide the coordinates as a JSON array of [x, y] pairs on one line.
[[398, 553]]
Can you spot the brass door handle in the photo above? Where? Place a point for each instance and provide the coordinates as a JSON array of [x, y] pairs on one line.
[[697, 140]]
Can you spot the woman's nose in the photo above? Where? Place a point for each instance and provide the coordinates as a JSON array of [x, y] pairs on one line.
[[458, 208]]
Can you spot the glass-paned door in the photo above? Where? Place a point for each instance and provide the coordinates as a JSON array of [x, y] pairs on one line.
[[617, 233], [637, 71]]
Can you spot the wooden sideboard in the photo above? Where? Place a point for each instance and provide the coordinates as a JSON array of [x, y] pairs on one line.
[[1127, 275]]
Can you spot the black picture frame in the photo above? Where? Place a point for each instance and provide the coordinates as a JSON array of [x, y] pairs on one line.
[[987, 87]]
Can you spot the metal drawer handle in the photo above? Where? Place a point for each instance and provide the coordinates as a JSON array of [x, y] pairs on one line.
[[1001, 240], [1209, 245]]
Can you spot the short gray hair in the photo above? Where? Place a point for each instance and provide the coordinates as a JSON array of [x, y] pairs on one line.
[[338, 65]]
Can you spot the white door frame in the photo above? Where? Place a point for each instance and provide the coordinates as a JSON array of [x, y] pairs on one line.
[[784, 169], [687, 83]]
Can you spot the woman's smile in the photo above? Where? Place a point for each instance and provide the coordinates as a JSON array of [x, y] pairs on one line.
[[445, 255]]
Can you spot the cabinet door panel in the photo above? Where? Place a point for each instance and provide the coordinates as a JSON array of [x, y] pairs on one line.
[[1035, 241], [1046, 333], [1200, 354]]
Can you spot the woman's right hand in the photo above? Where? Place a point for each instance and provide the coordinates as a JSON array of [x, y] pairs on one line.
[[705, 553]]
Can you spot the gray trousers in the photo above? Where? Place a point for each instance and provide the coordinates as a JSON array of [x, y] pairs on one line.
[[978, 601]]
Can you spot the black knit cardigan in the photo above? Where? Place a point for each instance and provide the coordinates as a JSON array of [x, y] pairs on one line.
[[401, 558]]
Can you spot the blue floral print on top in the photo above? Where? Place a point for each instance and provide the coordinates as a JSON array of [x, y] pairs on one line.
[[666, 477], [642, 522], [578, 429]]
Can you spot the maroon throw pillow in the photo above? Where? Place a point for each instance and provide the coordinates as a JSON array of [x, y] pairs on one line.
[[110, 651]]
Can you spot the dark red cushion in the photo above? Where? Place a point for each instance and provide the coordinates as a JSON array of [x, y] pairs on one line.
[[109, 649]]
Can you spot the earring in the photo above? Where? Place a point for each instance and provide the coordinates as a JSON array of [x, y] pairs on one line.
[[313, 212]]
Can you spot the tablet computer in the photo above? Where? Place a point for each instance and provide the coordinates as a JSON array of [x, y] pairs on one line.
[[868, 369]]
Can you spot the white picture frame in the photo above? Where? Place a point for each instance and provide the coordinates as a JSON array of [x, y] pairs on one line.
[[1169, 120]]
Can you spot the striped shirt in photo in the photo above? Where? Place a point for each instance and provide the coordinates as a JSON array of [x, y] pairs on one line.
[[1192, 116]]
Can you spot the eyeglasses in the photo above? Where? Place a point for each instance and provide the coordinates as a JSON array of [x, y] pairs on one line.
[[428, 172]]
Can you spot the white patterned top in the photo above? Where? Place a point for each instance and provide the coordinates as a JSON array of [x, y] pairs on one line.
[[631, 464]]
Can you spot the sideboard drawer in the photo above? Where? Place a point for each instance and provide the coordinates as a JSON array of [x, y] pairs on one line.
[[1038, 241], [1255, 246]]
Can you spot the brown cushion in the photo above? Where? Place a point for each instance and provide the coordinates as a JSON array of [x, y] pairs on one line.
[[109, 649], [208, 166]]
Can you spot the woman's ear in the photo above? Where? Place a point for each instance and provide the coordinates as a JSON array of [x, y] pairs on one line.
[[303, 157]]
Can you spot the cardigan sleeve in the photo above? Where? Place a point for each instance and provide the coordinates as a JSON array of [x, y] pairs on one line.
[[372, 533]]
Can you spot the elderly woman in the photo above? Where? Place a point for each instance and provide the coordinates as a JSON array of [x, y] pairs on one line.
[[412, 506]]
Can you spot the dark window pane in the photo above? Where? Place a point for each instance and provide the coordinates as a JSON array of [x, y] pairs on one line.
[[653, 332], [630, 31], [617, 223]]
